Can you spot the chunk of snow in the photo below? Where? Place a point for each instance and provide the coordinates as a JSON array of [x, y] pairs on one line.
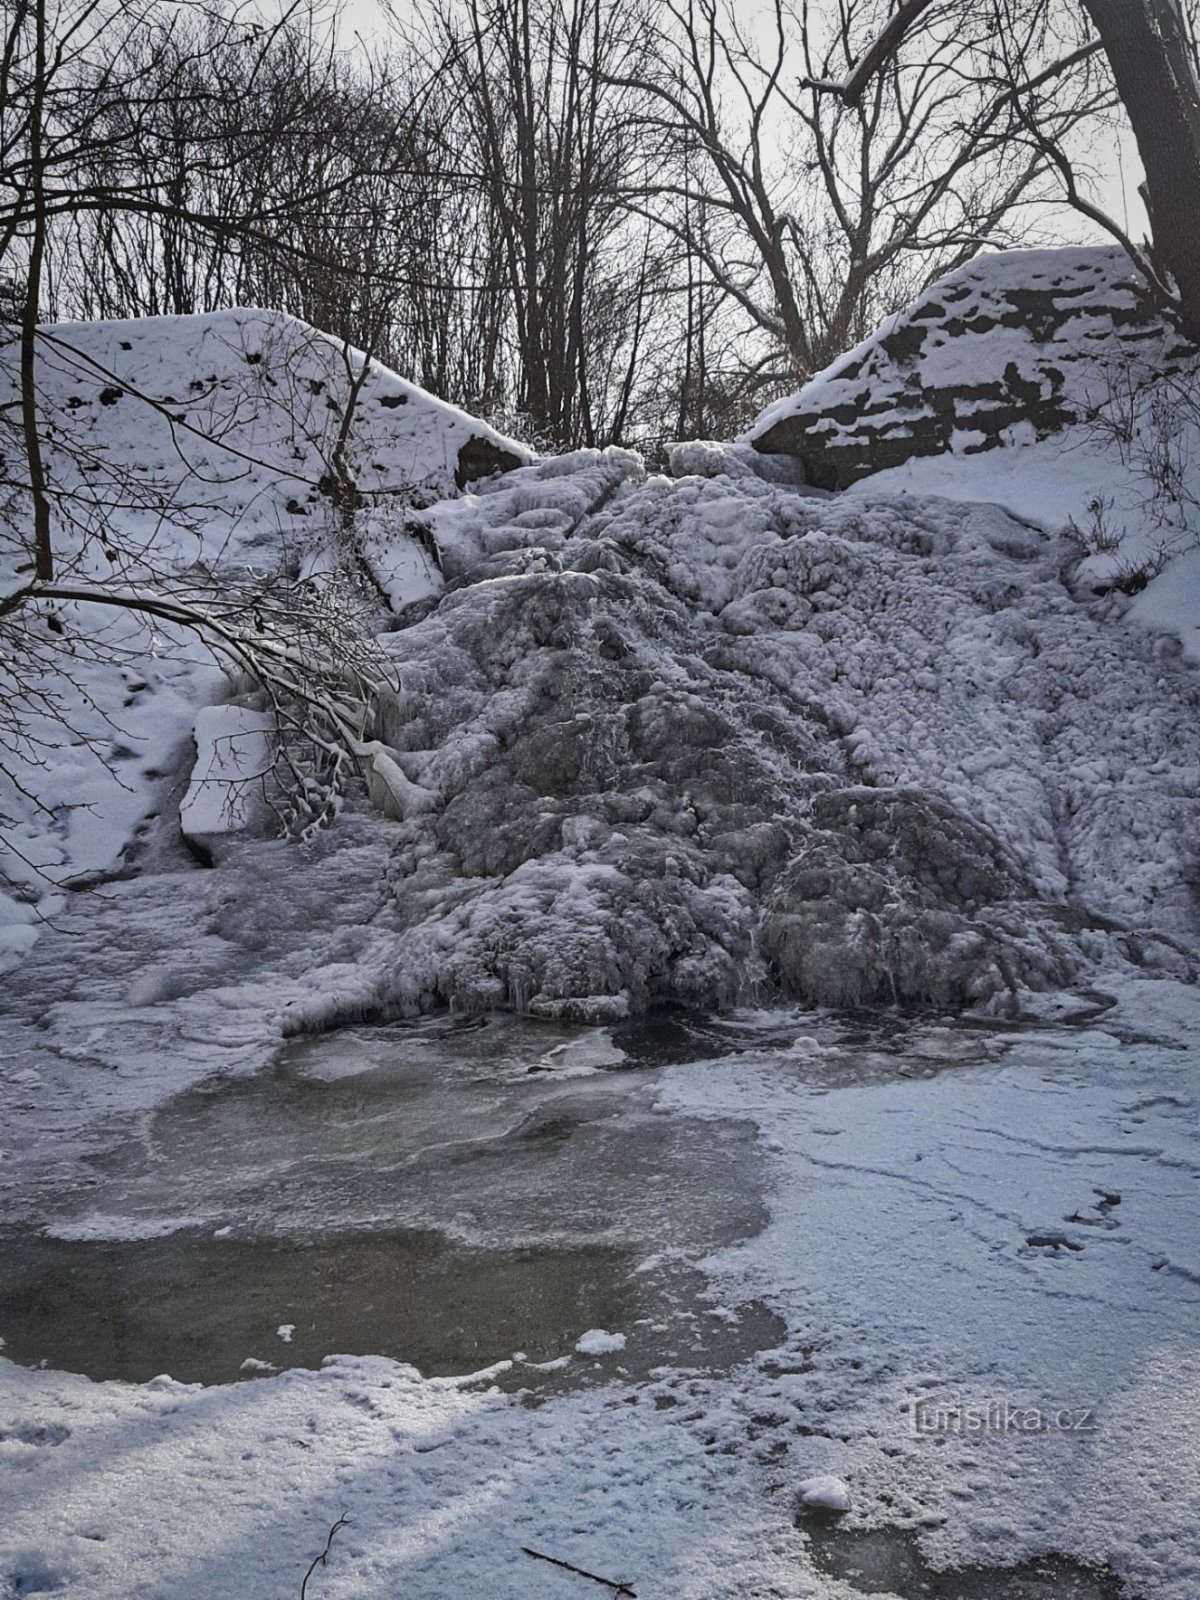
[[596, 1342], [824, 1493], [233, 761]]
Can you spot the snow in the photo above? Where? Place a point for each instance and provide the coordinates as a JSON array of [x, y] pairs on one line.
[[1053, 484], [972, 337], [597, 1342], [710, 739], [824, 1493], [233, 762], [896, 1250], [1108, 446], [192, 444]]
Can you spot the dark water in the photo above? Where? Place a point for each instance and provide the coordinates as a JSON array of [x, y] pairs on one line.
[[199, 1308], [888, 1561], [446, 1194]]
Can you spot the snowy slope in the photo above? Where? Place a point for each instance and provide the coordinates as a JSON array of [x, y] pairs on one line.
[[189, 445], [237, 413], [1039, 380]]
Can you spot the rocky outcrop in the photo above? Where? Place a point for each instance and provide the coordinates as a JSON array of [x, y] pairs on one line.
[[1009, 349]]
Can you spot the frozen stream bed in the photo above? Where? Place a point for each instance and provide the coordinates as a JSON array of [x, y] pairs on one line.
[[618, 1295]]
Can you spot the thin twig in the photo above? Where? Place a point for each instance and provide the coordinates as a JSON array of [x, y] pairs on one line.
[[580, 1572], [319, 1561]]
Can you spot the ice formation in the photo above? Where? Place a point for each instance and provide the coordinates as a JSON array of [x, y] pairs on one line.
[[710, 737]]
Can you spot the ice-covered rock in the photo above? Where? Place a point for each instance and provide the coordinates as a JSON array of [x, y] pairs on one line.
[[713, 739]]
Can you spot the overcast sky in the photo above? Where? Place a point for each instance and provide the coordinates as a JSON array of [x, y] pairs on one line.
[[1115, 161]]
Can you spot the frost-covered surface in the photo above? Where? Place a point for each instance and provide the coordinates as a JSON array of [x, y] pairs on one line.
[[1019, 1233], [698, 738], [715, 738], [1130, 529]]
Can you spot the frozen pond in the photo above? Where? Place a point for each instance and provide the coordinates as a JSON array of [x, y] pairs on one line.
[[889, 1561], [738, 1245], [452, 1194]]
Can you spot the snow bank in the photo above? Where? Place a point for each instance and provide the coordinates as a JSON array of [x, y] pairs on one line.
[[191, 447], [233, 763]]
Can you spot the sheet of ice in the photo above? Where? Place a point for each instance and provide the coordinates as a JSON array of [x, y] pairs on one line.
[[233, 766]]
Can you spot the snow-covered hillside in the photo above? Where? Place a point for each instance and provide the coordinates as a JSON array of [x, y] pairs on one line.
[[709, 738], [1041, 380], [185, 448]]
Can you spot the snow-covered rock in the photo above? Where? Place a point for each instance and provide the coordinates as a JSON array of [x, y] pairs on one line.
[[599, 1342], [1010, 348], [236, 413]]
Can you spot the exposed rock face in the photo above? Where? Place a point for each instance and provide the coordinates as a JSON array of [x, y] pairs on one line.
[[716, 740], [1010, 348]]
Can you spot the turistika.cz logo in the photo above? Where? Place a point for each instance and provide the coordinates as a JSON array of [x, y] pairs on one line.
[[930, 1415]]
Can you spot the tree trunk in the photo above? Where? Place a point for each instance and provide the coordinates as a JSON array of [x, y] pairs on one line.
[[42, 551], [1147, 50]]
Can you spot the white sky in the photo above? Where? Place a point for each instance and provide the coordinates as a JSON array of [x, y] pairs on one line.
[[1117, 166]]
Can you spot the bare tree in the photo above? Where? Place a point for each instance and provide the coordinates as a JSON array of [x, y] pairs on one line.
[[551, 143], [816, 215], [1150, 49]]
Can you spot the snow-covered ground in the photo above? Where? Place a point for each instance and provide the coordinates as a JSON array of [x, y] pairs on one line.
[[179, 446], [711, 738], [1012, 1235]]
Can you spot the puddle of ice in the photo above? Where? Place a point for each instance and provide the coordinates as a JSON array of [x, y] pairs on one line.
[[447, 1192], [887, 1563], [212, 1310]]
